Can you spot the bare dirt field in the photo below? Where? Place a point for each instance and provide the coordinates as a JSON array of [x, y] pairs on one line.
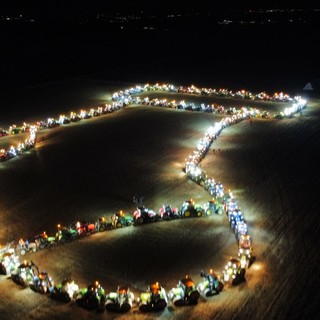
[[93, 168]]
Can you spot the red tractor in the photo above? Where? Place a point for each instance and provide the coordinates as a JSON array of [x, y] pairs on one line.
[[143, 215], [85, 228]]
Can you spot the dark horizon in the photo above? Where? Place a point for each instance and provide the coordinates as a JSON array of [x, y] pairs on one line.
[[77, 8]]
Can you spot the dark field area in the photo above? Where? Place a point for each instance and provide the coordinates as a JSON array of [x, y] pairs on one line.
[[94, 168]]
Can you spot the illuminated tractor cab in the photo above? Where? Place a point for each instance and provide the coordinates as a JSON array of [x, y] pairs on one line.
[[120, 300], [84, 114], [154, 299], [42, 240], [63, 120], [66, 291], [185, 293], [190, 209], [3, 133], [102, 224], [92, 298], [74, 117], [213, 206], [41, 282], [240, 229], [234, 272], [3, 155], [230, 206], [52, 123], [9, 261], [235, 217], [14, 130], [65, 234], [212, 284], [245, 246], [120, 220], [210, 186], [166, 212], [25, 246], [84, 228], [144, 215], [24, 274]]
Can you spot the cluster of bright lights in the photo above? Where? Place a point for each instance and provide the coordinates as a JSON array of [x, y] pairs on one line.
[[197, 174], [123, 98], [192, 165], [222, 92], [297, 106]]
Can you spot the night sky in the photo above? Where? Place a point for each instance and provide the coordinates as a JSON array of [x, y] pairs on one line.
[[63, 8], [38, 48]]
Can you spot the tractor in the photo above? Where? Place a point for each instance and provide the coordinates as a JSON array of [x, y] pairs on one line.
[[185, 293], [24, 274], [120, 300], [102, 224], [143, 215], [43, 241], [65, 291], [234, 271], [92, 298], [190, 209], [166, 212], [212, 284], [41, 282], [245, 248], [9, 261], [213, 206], [119, 220], [65, 234], [154, 299]]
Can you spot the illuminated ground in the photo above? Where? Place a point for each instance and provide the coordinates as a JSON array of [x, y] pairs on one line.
[[270, 165]]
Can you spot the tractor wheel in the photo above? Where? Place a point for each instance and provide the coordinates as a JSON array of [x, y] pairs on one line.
[[208, 293], [165, 217], [199, 214], [160, 304], [219, 211], [41, 289], [194, 297], [177, 301], [187, 214], [3, 269], [125, 307], [209, 212], [119, 225], [153, 219], [140, 220], [143, 307]]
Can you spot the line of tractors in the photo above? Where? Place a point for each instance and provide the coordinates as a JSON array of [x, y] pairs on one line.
[[155, 297]]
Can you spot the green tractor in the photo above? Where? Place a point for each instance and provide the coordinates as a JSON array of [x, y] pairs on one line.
[[92, 298], [185, 293], [24, 274], [213, 206], [154, 299], [65, 234], [190, 209], [120, 220]]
